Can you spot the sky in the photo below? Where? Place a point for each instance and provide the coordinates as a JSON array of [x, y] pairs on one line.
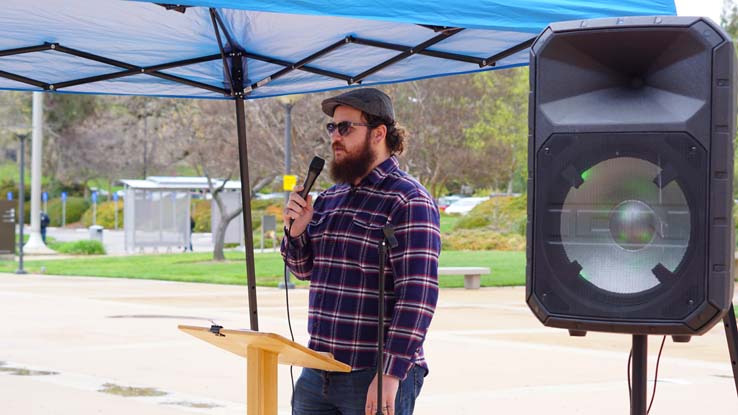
[[709, 8]]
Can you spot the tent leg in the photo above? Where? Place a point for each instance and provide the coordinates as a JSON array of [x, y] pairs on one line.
[[246, 203], [237, 76]]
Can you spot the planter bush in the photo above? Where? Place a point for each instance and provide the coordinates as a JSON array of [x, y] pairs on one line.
[[200, 211], [482, 240], [502, 214], [83, 247], [76, 207], [105, 215], [259, 208]]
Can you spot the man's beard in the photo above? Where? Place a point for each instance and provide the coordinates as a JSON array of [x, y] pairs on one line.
[[353, 167]]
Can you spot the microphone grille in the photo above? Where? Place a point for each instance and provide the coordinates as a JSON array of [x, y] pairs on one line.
[[317, 164]]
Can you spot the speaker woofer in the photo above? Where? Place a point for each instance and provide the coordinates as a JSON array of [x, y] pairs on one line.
[[618, 225]]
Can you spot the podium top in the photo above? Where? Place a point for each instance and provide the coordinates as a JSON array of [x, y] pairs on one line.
[[290, 353]]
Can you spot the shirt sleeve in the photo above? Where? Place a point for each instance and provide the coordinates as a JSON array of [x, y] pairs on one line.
[[414, 265], [298, 254]]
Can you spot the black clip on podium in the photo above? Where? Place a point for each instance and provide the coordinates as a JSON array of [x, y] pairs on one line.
[[389, 239]]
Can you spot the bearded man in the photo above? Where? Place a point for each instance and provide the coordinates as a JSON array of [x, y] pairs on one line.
[[334, 244]]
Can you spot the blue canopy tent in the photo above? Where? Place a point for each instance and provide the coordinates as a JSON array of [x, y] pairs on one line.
[[237, 50]]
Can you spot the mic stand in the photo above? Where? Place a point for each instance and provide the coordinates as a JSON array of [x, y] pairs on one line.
[[388, 239]]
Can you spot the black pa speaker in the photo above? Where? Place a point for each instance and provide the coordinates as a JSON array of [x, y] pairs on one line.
[[630, 179]]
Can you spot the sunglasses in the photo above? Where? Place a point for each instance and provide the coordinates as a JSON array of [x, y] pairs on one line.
[[343, 127]]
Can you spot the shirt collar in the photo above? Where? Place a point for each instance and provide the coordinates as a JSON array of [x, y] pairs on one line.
[[383, 170]]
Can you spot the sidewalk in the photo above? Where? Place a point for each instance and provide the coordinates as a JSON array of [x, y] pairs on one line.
[[486, 351]]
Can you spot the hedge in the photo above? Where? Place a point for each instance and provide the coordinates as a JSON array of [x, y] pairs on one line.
[[482, 240], [259, 208], [496, 224], [81, 247], [105, 215], [502, 214], [76, 207]]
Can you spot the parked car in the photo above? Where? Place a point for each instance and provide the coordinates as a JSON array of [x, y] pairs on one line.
[[445, 201], [274, 195], [465, 205]]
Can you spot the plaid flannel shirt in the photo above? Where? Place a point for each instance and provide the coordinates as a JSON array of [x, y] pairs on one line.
[[339, 254]]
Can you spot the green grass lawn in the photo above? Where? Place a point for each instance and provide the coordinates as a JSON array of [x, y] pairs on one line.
[[448, 222], [508, 268]]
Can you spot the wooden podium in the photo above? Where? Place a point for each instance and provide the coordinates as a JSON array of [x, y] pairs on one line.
[[263, 351]]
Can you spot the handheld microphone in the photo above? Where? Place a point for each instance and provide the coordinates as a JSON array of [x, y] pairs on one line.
[[316, 166]]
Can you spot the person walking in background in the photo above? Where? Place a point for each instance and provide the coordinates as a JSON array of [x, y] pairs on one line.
[[334, 245], [44, 224], [192, 229]]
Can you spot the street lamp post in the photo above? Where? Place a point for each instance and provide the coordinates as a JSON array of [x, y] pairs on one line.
[[288, 101], [288, 141], [21, 200]]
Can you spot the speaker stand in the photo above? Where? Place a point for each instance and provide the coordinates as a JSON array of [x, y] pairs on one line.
[[639, 373], [731, 332], [639, 364]]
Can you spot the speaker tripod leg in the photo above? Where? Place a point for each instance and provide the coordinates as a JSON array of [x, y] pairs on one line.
[[731, 332], [639, 371]]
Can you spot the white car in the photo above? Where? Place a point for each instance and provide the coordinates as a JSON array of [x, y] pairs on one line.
[[446, 201], [465, 205]]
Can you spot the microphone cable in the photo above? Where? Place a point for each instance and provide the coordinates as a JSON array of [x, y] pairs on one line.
[[655, 379], [316, 166], [287, 301]]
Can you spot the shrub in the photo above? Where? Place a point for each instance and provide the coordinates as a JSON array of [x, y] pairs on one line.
[[472, 222], [200, 211], [105, 215], [76, 207], [259, 208], [503, 214], [11, 185], [482, 240], [269, 242], [83, 247]]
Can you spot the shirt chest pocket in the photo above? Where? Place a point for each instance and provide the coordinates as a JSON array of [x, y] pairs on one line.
[[366, 234], [368, 226]]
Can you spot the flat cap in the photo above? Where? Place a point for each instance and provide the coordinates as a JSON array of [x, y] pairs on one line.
[[370, 100]]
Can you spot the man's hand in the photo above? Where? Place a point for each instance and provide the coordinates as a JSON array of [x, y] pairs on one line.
[[390, 384], [300, 210]]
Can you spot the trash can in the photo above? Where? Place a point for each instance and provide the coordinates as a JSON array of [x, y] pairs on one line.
[[96, 233]]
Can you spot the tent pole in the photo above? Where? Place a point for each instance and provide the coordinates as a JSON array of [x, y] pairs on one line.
[[243, 162]]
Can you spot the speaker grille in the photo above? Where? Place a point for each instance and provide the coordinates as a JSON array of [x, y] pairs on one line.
[[620, 224]]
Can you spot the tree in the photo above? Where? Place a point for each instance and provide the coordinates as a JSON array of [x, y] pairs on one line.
[[729, 22], [108, 141], [729, 17], [266, 123], [62, 114], [207, 130], [436, 113], [15, 113], [503, 119]]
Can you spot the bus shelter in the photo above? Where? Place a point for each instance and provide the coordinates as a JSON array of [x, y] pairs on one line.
[[157, 211]]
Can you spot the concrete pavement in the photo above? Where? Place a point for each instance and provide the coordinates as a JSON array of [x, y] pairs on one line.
[[486, 351]]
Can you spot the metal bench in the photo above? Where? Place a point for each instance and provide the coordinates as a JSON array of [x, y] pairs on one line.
[[472, 275]]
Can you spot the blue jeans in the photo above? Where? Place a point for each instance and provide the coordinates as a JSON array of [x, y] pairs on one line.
[[331, 393]]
